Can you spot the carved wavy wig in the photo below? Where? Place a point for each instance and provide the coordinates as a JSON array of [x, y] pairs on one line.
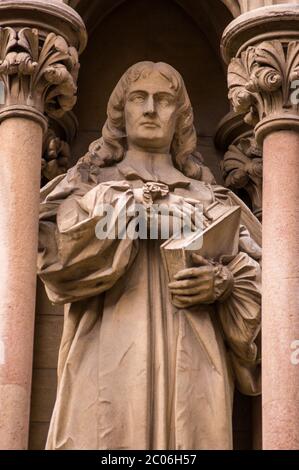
[[111, 147]]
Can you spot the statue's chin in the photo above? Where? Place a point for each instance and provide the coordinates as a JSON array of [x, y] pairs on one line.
[[150, 142]]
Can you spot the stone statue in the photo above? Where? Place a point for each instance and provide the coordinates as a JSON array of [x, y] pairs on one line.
[[144, 363]]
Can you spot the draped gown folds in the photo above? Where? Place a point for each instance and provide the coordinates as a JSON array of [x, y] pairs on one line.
[[134, 371]]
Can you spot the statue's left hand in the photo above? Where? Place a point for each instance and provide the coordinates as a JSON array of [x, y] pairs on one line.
[[203, 284]]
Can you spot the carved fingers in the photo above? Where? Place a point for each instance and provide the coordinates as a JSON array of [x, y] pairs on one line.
[[193, 286], [201, 284]]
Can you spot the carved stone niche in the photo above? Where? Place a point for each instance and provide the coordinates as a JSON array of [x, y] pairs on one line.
[[39, 57], [242, 164]]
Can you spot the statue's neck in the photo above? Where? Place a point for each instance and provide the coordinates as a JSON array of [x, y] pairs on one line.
[[149, 161], [149, 166]]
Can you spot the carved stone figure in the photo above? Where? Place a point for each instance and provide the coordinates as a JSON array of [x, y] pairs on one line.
[[144, 363], [243, 168]]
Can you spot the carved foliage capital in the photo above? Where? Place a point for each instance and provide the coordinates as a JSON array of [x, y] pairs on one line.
[[37, 72], [262, 81]]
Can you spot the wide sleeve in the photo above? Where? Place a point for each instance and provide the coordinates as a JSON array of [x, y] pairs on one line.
[[75, 259], [240, 312], [240, 317]]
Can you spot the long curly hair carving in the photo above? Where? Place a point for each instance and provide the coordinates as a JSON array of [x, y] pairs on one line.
[[111, 147]]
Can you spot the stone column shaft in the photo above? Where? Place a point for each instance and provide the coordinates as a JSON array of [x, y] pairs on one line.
[[20, 154], [280, 290], [39, 44], [263, 79]]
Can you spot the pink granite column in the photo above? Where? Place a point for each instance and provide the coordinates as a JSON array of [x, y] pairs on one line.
[[20, 156], [280, 327], [261, 48], [38, 74]]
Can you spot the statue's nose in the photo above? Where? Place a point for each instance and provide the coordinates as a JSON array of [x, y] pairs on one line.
[[149, 106]]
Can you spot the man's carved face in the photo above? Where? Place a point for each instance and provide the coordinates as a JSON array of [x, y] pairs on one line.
[[150, 114]]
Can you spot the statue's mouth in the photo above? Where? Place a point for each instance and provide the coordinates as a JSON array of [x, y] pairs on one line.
[[150, 124]]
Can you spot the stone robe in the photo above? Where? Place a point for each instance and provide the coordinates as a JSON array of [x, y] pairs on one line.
[[134, 371]]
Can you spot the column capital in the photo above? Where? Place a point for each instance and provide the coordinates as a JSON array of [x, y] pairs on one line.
[[39, 62], [263, 70], [258, 25]]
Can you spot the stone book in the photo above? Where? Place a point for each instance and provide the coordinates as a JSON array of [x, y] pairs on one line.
[[219, 239]]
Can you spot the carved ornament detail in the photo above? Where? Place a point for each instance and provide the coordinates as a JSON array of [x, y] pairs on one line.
[[56, 157], [261, 80], [237, 7], [37, 72], [243, 169]]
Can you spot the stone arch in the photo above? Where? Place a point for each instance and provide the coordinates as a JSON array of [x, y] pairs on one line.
[[94, 11]]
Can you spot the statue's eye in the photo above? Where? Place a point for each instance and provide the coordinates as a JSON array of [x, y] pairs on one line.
[[137, 98], [165, 101]]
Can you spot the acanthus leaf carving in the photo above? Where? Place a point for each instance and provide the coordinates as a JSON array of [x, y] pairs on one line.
[[260, 80], [38, 72]]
